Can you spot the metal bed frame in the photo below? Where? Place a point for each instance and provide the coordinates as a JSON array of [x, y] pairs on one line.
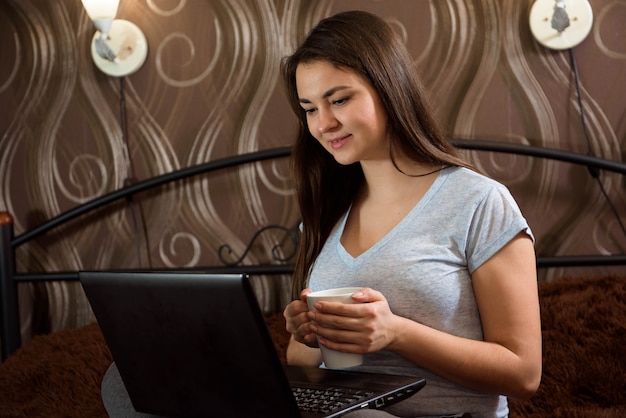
[[10, 338]]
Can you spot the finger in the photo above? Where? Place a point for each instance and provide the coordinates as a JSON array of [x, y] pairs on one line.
[[334, 308], [304, 293], [306, 336], [295, 308], [341, 341], [296, 322], [342, 347], [337, 322], [310, 340], [367, 295]]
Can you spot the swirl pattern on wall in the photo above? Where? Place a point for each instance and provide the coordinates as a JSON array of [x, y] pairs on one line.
[[210, 88]]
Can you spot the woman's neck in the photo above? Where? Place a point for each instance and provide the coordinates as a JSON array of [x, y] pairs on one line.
[[383, 180]]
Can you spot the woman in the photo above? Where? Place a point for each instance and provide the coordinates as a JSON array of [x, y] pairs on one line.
[[443, 254]]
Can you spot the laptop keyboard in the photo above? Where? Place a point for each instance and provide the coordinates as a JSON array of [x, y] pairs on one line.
[[325, 400]]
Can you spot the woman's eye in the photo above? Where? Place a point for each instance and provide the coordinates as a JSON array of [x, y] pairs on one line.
[[309, 111], [341, 101]]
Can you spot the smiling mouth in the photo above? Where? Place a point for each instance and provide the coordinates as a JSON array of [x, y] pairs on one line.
[[338, 142]]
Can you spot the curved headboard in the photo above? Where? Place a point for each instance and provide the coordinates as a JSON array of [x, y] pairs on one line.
[[9, 312]]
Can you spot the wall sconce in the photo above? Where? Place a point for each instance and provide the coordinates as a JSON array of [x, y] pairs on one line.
[[560, 24], [119, 47]]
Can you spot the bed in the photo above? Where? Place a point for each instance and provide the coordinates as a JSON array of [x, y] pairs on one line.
[[583, 318]]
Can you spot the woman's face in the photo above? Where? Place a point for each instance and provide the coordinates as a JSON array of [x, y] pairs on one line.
[[343, 112]]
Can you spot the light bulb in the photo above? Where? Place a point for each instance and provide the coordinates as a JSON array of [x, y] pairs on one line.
[[102, 13]]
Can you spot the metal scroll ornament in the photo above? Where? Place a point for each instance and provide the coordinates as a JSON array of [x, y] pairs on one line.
[[225, 251]]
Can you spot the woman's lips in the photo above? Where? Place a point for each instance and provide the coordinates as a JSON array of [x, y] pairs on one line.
[[337, 143]]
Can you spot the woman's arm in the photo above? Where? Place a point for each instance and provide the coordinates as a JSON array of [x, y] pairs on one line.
[[508, 362], [299, 354]]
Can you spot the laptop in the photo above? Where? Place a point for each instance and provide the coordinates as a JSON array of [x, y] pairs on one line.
[[196, 345]]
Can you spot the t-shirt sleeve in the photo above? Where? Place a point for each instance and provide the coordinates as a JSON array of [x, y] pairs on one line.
[[496, 221]]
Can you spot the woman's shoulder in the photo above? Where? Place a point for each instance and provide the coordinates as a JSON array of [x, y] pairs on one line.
[[469, 188], [465, 177]]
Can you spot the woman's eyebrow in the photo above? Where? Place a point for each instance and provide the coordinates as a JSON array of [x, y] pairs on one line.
[[327, 94]]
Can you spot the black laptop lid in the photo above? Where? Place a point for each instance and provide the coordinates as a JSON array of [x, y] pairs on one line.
[[166, 347]]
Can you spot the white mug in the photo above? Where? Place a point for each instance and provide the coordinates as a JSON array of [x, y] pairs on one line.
[[336, 359]]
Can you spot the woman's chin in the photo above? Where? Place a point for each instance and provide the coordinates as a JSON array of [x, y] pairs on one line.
[[344, 159]]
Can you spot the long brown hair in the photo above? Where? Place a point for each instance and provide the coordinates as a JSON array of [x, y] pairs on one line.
[[364, 43]]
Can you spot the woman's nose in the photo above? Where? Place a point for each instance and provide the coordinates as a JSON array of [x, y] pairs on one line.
[[326, 121]]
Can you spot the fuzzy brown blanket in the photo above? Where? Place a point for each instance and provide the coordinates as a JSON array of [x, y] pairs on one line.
[[584, 331]]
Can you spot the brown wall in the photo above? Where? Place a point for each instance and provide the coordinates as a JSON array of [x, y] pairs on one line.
[[210, 89]]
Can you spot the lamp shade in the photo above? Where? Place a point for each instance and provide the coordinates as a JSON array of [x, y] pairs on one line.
[[101, 12]]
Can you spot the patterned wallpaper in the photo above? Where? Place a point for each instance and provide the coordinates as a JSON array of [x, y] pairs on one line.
[[210, 88]]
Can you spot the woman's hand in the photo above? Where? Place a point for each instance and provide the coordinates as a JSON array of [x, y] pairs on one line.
[[364, 327], [298, 323]]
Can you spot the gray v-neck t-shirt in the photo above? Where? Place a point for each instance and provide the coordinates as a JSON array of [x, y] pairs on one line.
[[423, 268]]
